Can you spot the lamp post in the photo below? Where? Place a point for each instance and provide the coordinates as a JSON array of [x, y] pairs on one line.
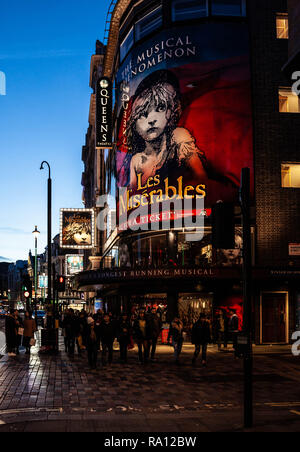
[[35, 233], [49, 231]]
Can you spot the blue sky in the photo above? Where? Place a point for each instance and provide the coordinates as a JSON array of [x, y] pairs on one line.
[[45, 51]]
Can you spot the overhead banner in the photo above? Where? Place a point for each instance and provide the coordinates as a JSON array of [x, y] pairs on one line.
[[74, 264], [104, 113], [77, 228], [184, 116]]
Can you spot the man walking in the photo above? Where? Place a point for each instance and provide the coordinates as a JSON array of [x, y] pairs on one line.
[[11, 333], [107, 334], [155, 325], [201, 338]]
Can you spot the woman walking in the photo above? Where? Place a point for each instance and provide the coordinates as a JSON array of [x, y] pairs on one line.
[[11, 333], [29, 330]]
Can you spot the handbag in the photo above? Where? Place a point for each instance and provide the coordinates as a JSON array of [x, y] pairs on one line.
[[20, 331], [32, 342]]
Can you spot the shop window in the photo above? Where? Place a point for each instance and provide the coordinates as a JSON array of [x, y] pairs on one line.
[[288, 101], [149, 23], [127, 44], [228, 7], [189, 9], [282, 26], [290, 175]]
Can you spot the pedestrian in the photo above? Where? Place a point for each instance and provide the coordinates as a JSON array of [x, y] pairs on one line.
[[92, 347], [11, 332], [82, 332], [29, 330], [107, 335], [123, 335], [98, 318], [176, 333], [20, 330], [142, 336], [64, 333], [233, 328], [222, 327], [155, 329], [201, 337], [69, 324]]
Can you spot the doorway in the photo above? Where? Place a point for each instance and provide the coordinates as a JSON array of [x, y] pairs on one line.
[[274, 316]]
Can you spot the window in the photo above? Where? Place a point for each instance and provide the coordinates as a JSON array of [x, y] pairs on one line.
[[288, 101], [189, 9], [149, 23], [282, 26], [127, 44], [290, 175], [228, 7]]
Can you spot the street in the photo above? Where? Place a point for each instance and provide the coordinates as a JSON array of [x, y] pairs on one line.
[[55, 393]]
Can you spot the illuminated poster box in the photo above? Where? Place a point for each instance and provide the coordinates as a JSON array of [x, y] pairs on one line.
[[77, 228]]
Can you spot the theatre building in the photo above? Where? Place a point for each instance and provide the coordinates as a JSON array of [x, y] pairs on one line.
[[201, 89]]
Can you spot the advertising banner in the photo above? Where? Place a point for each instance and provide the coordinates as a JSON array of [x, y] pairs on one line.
[[43, 282], [184, 116], [77, 228], [74, 264], [104, 113]]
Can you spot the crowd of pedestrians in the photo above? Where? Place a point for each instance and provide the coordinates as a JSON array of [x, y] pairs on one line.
[[19, 332], [97, 333]]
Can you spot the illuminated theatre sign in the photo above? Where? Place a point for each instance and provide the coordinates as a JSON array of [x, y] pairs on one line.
[[184, 128], [104, 113], [77, 228]]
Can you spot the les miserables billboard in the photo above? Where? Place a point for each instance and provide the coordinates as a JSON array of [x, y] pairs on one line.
[[77, 228], [184, 116]]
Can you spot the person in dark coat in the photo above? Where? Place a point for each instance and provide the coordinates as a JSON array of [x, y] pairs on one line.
[[201, 338], [176, 333], [11, 333], [155, 329], [142, 336], [107, 335], [233, 329], [71, 329], [20, 325], [92, 347], [123, 335]]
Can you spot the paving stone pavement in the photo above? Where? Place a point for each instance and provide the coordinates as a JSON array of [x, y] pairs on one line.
[[160, 395]]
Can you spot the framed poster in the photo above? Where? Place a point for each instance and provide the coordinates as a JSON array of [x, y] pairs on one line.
[[77, 228]]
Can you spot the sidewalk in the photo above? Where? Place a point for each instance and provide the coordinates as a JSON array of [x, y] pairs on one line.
[[56, 393]]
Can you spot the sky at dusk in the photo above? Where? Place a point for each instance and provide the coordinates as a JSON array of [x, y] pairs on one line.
[[45, 51]]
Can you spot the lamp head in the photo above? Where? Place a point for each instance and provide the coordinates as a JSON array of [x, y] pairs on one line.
[[36, 233]]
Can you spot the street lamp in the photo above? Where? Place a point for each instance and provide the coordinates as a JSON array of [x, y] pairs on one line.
[[49, 231], [36, 234]]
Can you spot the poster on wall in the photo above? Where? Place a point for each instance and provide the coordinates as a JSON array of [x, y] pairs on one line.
[[77, 228], [73, 264], [184, 116]]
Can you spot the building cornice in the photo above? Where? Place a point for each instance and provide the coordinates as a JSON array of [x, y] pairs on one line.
[[113, 38]]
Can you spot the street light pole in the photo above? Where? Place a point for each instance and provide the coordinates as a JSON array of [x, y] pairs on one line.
[[49, 232], [35, 234], [247, 290]]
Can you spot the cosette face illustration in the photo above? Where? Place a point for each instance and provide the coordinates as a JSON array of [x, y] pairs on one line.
[[152, 122], [83, 238]]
